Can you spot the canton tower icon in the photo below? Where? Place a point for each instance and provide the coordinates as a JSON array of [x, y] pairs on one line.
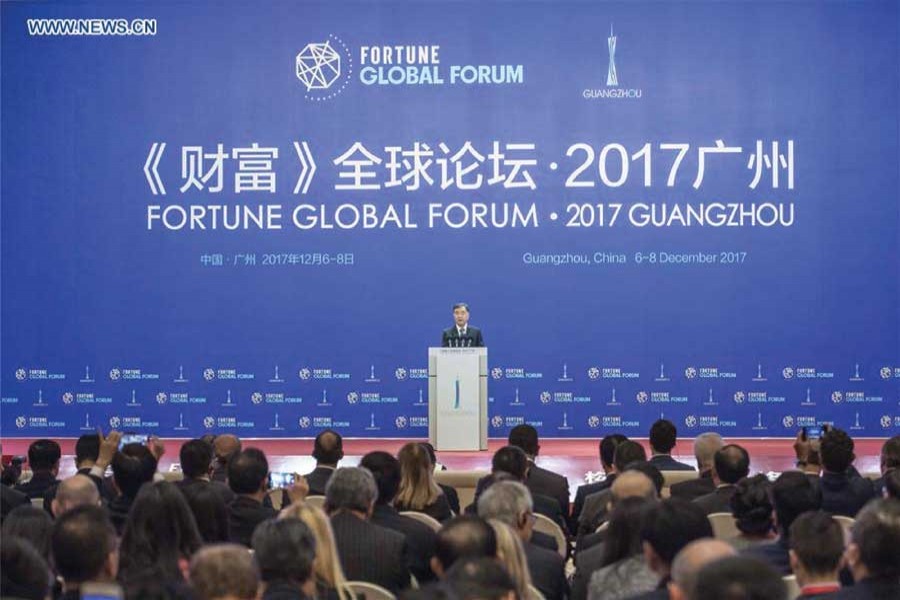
[[611, 77]]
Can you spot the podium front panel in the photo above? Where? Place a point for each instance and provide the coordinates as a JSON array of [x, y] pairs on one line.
[[457, 398]]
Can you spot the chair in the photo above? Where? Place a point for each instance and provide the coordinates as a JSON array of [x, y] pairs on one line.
[[723, 525], [602, 527], [422, 518], [465, 483], [38, 502], [173, 476], [534, 593], [793, 588], [670, 478], [317, 501], [846, 524], [547, 525], [369, 591]]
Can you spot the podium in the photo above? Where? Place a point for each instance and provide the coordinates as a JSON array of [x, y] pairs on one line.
[[457, 398]]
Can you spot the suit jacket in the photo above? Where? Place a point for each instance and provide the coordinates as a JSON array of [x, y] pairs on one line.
[[719, 500], [547, 571], [118, 509], [439, 509], [370, 552], [452, 497], [450, 337], [541, 504], [694, 488], [317, 479], [38, 485], [9, 499], [587, 560], [664, 462], [227, 495], [870, 589], [594, 512], [583, 492], [775, 553], [244, 514], [420, 539], [277, 590], [843, 494], [548, 483]]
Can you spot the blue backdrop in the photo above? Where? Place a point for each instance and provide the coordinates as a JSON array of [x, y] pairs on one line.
[[686, 209]]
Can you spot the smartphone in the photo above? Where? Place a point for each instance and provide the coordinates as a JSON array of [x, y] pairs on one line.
[[101, 591], [280, 480], [133, 438]]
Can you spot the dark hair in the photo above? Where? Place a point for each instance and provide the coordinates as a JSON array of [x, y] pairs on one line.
[[87, 448], [31, 524], [876, 533], [836, 448], [818, 541], [623, 538], [793, 493], [284, 550], [672, 524], [510, 459], [890, 453], [740, 578], [525, 437], [386, 470], [82, 540], [432, 456], [628, 452], [247, 471], [159, 531], [466, 536], [892, 483], [328, 448], [43, 455], [752, 506], [651, 471], [479, 579], [210, 511], [732, 463], [133, 466], [23, 573], [608, 447], [196, 456], [461, 305], [663, 435]]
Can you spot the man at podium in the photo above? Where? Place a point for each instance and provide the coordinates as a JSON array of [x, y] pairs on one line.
[[461, 335]]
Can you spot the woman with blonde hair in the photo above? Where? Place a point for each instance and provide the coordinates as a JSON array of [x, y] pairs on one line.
[[418, 491], [511, 554], [330, 579]]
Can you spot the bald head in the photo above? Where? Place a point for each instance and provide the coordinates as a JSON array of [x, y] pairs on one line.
[[705, 447], [78, 490], [225, 445], [691, 559], [328, 449], [632, 484]]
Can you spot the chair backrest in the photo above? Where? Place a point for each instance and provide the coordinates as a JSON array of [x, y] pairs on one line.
[[317, 501], [793, 588], [369, 591], [846, 524], [547, 525], [465, 483], [534, 593], [173, 476], [422, 518], [603, 526], [670, 478], [724, 525], [38, 502]]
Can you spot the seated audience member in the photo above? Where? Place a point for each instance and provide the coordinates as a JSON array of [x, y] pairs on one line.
[[420, 538], [85, 549], [196, 458], [510, 502], [670, 526], [449, 491], [327, 570], [889, 461], [690, 561], [224, 572], [511, 555], [475, 579], [418, 492], [210, 512], [705, 447], [367, 551], [731, 464], [132, 467], [622, 571], [78, 490], [10, 499], [638, 480], [31, 524], [225, 446], [627, 452], [328, 450], [465, 537], [43, 458], [753, 511], [842, 493], [739, 578], [87, 456], [793, 494], [285, 550], [23, 572], [891, 484], [607, 450], [540, 480], [817, 546], [663, 436], [158, 541], [872, 554]]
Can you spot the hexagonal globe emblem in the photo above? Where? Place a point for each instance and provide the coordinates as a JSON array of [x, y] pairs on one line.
[[318, 66]]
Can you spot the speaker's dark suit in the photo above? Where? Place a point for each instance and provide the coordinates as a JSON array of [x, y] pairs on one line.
[[370, 552], [472, 338]]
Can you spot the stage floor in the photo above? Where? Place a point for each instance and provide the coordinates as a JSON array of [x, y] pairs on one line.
[[572, 458]]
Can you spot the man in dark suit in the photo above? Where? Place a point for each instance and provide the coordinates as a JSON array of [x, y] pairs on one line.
[[872, 554], [843, 493], [607, 449], [462, 334], [132, 467], [626, 453], [85, 549], [731, 464], [43, 458], [328, 450], [705, 447], [368, 552], [817, 546], [420, 539], [540, 480], [196, 458], [462, 538], [663, 436]]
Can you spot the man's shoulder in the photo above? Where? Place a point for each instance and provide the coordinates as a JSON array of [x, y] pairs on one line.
[[543, 475]]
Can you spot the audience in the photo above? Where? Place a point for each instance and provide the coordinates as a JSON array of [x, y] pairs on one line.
[[225, 446], [539, 480], [78, 490], [511, 554], [843, 492], [688, 563], [418, 492], [132, 466], [43, 458], [731, 464], [607, 448], [31, 524], [872, 555], [627, 453], [85, 549], [23, 572], [328, 450], [210, 512], [480, 579], [889, 461], [663, 436], [817, 547], [891, 484], [465, 537], [753, 511], [285, 550], [705, 447], [739, 578], [196, 458], [327, 570], [224, 572]]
